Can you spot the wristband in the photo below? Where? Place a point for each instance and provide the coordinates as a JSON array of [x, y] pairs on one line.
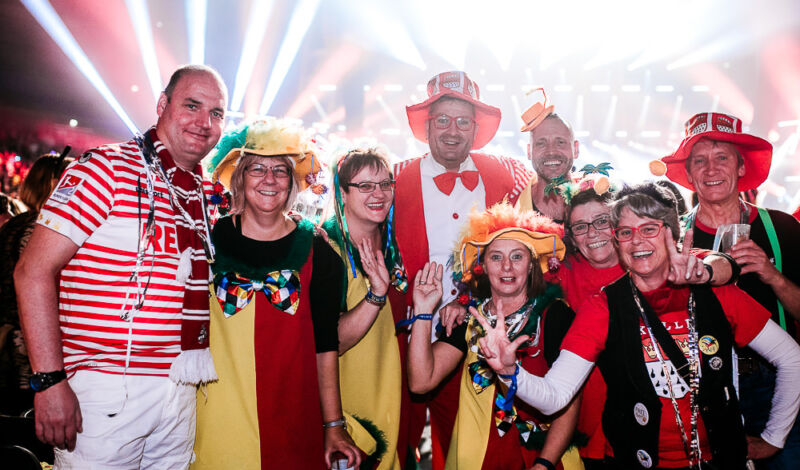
[[735, 268], [409, 321], [710, 273], [545, 463], [333, 424], [507, 402], [373, 299]]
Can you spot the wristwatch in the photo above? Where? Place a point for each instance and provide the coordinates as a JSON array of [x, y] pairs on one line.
[[41, 381]]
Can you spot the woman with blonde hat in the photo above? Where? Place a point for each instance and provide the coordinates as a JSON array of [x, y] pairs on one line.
[[503, 256], [274, 312]]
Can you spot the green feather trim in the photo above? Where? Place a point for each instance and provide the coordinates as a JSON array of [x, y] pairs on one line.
[[294, 259], [381, 444], [231, 140]]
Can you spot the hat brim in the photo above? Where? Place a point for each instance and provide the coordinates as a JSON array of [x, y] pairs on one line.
[[487, 118], [541, 245], [756, 152], [302, 164], [538, 119]]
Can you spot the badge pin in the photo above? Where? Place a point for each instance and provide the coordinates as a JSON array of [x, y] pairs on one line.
[[641, 414], [644, 458], [715, 363], [708, 345]]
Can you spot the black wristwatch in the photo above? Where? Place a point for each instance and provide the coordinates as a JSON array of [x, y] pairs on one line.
[[41, 381]]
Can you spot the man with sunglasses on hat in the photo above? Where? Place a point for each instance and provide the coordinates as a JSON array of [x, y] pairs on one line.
[[115, 276], [718, 161], [434, 194]]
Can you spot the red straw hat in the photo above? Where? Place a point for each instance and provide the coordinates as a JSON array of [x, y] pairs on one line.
[[756, 152], [458, 85]]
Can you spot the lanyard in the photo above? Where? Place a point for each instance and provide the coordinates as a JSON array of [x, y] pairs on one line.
[[690, 447]]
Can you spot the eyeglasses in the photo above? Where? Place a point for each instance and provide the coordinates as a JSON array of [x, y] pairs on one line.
[[650, 230], [443, 121], [369, 186], [279, 172], [601, 223]]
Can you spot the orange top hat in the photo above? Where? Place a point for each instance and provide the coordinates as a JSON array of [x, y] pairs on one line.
[[534, 115]]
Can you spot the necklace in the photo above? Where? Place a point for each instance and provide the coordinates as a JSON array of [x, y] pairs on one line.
[[691, 444]]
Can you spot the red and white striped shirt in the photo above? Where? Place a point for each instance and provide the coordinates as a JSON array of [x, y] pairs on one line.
[[101, 204]]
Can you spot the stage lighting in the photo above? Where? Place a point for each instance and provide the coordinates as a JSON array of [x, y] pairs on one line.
[[196, 11], [301, 19], [44, 13], [137, 9], [254, 35]]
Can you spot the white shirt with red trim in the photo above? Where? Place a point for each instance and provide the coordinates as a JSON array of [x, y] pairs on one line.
[[101, 204]]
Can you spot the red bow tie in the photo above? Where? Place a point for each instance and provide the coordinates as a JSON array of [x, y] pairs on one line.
[[447, 181]]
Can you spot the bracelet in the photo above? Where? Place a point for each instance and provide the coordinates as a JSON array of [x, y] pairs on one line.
[[333, 424], [544, 463], [373, 299], [710, 270], [736, 270], [409, 321]]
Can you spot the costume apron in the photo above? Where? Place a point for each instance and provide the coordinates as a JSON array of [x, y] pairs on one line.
[[264, 412], [372, 376]]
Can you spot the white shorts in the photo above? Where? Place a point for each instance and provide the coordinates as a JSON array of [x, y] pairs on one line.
[[153, 428]]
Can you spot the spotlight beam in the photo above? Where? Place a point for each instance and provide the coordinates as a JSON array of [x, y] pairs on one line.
[[256, 27], [137, 9], [44, 13], [302, 16], [196, 12]]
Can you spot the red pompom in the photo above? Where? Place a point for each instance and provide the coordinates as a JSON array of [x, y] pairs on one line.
[[500, 414], [218, 188], [477, 270], [463, 299]]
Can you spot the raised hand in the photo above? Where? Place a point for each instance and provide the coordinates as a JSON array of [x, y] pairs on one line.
[[428, 288], [374, 267], [684, 268], [500, 353]]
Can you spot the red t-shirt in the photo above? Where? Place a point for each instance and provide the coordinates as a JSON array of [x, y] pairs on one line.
[[589, 331]]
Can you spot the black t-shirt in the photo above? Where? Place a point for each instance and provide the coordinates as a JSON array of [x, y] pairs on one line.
[[557, 320], [327, 276], [787, 229]]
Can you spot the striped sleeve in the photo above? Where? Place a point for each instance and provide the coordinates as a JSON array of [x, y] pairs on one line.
[[82, 199], [519, 172]]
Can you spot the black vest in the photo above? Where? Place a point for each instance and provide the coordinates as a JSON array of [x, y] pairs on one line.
[[630, 390]]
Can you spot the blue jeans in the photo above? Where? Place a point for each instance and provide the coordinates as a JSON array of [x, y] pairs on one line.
[[755, 392]]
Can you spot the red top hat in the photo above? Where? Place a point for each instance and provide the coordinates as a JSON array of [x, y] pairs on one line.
[[756, 152], [458, 85]]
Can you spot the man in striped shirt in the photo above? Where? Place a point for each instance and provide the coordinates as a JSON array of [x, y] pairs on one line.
[[112, 290]]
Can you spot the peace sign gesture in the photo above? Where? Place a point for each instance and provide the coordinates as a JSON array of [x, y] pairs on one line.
[[500, 353], [684, 268]]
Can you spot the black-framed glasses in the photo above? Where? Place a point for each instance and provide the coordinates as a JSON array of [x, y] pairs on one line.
[[648, 230], [443, 121], [600, 223], [369, 186], [259, 171]]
